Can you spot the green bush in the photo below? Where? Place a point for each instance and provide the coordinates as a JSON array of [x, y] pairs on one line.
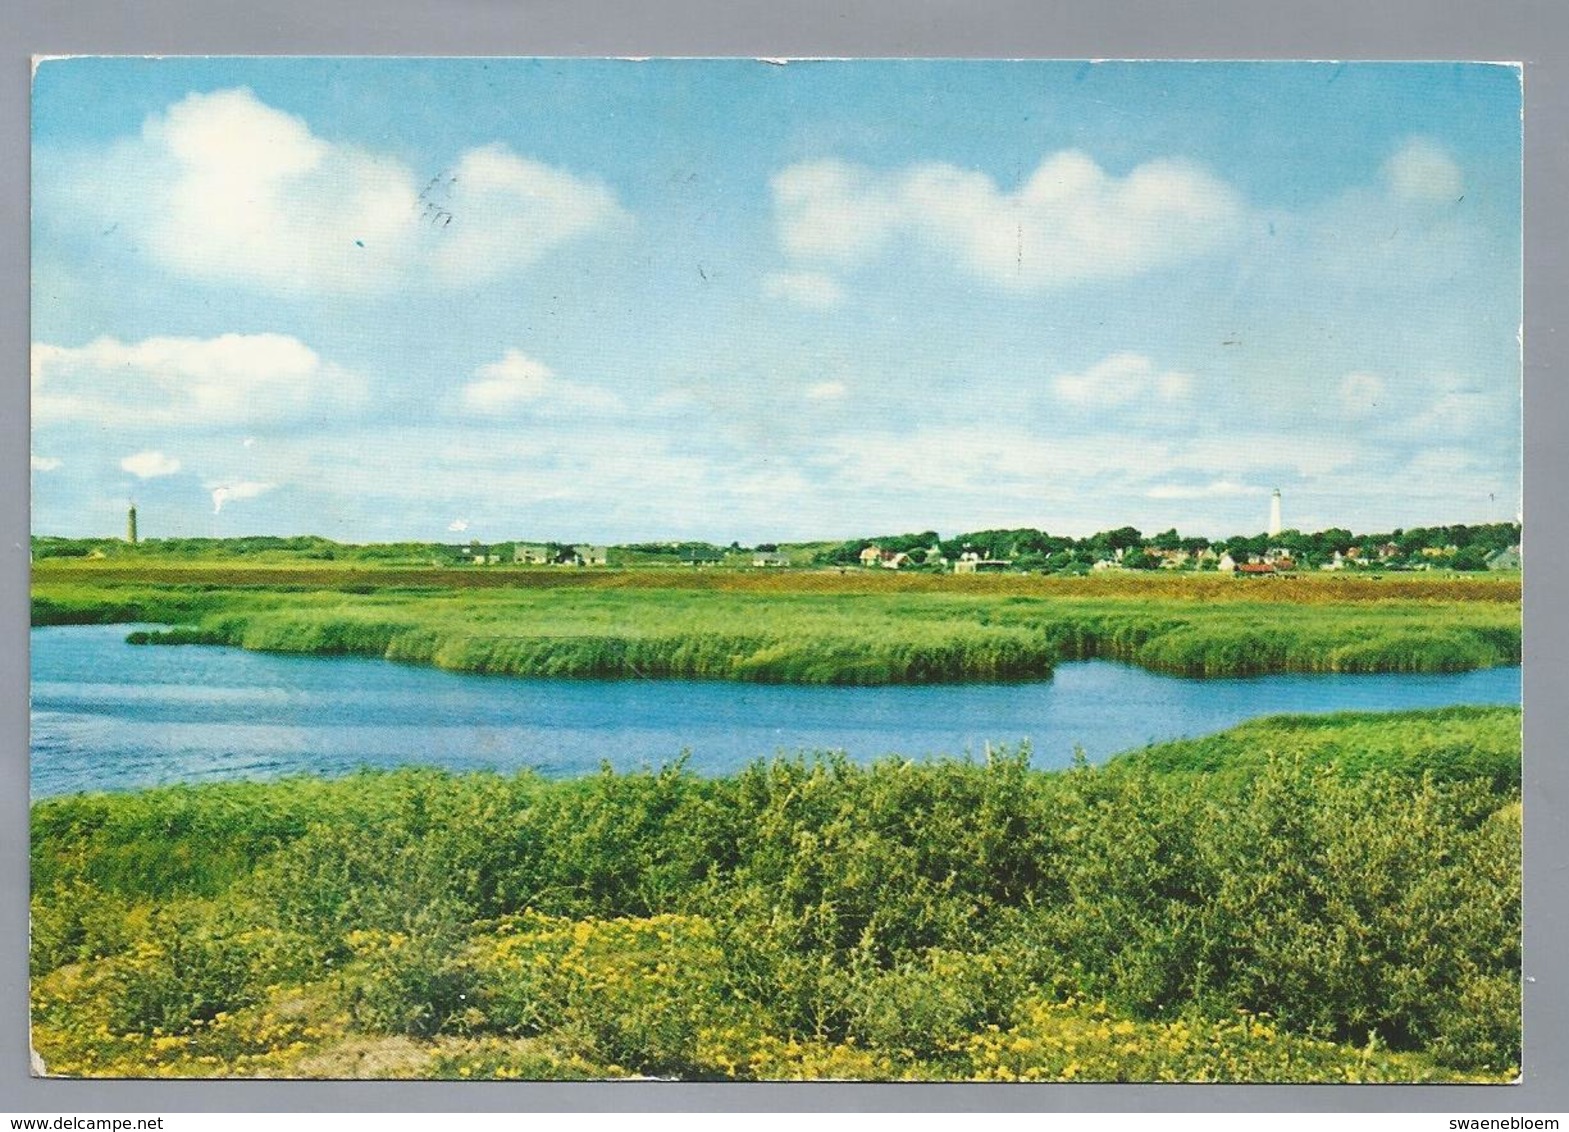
[[74, 922], [635, 993], [193, 963], [410, 982], [1326, 873], [927, 1010]]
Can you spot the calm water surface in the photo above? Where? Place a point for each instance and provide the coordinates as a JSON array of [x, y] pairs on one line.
[[112, 716]]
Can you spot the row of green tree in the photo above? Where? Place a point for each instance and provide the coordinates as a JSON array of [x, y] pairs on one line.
[[1459, 546], [305, 547]]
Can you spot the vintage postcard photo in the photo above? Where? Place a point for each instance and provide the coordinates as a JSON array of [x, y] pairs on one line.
[[755, 570]]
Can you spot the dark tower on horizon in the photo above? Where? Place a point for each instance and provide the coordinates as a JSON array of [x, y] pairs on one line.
[[130, 525]]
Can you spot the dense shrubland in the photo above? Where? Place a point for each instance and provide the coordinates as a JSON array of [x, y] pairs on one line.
[[1293, 900]]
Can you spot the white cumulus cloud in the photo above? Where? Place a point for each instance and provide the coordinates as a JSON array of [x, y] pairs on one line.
[[1457, 414], [508, 211], [517, 382], [188, 382], [1218, 489], [1307, 453], [501, 387], [45, 463], [1120, 380], [149, 465], [826, 391], [806, 288], [221, 187], [235, 490], [1421, 170], [1070, 221]]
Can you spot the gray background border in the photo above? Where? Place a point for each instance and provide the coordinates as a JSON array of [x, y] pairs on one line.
[[1531, 31]]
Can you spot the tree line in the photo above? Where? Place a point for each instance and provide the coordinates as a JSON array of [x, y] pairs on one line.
[[1458, 546]]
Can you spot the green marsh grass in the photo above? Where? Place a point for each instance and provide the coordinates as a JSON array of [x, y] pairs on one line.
[[1450, 744], [807, 628]]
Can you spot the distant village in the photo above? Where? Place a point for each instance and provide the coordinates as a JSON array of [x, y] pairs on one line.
[[1278, 551]]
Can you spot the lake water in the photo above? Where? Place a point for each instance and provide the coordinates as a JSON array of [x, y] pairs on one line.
[[112, 716]]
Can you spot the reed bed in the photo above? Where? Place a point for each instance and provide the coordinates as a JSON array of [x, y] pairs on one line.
[[780, 634], [1448, 744], [1306, 588]]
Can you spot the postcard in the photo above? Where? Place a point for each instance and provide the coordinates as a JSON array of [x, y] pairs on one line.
[[758, 570]]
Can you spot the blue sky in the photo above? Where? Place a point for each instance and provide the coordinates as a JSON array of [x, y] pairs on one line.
[[620, 301]]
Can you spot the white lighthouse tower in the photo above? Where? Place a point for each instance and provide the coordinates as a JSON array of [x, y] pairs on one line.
[[1274, 513]]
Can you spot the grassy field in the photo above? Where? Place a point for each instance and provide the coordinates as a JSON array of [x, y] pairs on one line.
[[859, 627], [1293, 900], [1450, 744]]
